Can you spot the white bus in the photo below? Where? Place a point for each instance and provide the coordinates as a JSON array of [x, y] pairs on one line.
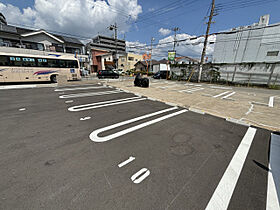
[[33, 68]]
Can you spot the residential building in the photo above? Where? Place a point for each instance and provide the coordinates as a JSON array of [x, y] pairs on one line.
[[249, 53], [142, 65], [23, 40], [128, 61], [157, 66], [101, 45], [162, 65]]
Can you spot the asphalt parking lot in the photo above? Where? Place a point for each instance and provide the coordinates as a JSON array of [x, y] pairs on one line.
[[98, 147]]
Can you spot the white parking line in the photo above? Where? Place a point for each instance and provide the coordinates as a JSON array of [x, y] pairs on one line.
[[231, 94], [224, 93], [104, 104], [223, 193], [130, 159], [79, 88], [22, 109], [137, 179], [191, 90], [271, 101], [94, 135], [78, 95], [273, 184]]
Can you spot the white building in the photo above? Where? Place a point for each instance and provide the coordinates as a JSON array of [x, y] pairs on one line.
[[249, 53]]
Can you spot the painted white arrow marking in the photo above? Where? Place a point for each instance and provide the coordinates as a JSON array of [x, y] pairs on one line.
[[104, 104], [130, 159], [80, 88], [94, 135], [85, 118], [78, 95], [136, 178]]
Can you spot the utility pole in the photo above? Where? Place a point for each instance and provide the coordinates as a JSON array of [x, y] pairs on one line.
[[206, 39], [175, 39], [115, 28], [153, 39]]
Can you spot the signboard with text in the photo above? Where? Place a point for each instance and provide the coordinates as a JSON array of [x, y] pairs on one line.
[[171, 55]]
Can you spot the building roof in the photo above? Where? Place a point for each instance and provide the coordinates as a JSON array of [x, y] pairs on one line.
[[28, 32], [154, 62]]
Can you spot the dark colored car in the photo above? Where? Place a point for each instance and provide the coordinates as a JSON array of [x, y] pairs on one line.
[[160, 75], [107, 74]]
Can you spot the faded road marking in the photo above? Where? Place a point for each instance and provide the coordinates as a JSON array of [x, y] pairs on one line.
[[130, 159], [94, 135], [22, 109], [137, 178], [223, 193], [273, 185]]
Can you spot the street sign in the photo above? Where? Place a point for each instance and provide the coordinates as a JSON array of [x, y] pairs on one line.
[[171, 55]]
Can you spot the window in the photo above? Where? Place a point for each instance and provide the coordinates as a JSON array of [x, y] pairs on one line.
[[123, 60], [4, 60], [29, 62], [15, 61], [52, 63], [130, 58], [272, 53], [42, 62]]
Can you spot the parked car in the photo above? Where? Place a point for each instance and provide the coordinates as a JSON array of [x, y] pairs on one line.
[[160, 75], [107, 74]]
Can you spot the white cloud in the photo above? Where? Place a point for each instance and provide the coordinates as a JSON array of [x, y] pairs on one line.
[[191, 48], [164, 31], [79, 17]]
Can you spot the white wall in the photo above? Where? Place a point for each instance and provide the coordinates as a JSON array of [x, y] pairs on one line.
[[248, 45]]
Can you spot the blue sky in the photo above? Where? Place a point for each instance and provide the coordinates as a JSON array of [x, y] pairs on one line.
[[59, 15]]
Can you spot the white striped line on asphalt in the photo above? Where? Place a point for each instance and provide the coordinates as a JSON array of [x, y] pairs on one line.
[[79, 95], [130, 159], [22, 109], [191, 90], [273, 184], [229, 95], [271, 101], [104, 104], [79, 88], [223, 193], [137, 179], [94, 135], [221, 94]]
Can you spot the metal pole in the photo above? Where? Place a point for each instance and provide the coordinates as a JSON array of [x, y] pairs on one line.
[[153, 39], [206, 39]]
